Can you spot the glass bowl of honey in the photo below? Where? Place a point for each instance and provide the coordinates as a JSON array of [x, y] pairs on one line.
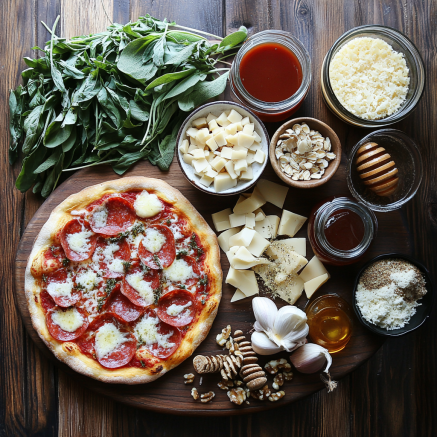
[[330, 322], [271, 74]]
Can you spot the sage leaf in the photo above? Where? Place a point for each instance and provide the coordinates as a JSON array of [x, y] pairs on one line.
[[170, 77]]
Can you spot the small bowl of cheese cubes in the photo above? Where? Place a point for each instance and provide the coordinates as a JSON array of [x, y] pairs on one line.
[[222, 148]]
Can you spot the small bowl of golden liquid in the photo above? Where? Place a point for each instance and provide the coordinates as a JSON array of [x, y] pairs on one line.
[[330, 322]]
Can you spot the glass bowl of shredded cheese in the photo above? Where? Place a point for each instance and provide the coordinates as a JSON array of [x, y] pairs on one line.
[[372, 76]]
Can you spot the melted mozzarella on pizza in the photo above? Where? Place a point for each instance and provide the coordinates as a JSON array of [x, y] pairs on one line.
[[100, 217], [79, 242], [154, 240], [60, 289], [87, 279], [147, 205], [146, 331], [108, 338], [145, 290], [179, 271], [69, 320], [174, 310]]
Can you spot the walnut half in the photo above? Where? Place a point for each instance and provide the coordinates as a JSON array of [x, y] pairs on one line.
[[237, 395], [274, 366]]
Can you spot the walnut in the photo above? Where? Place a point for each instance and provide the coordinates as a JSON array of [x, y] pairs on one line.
[[262, 394], [276, 396], [238, 383], [207, 397], [274, 366], [223, 336], [189, 378], [224, 385], [278, 381], [237, 395], [288, 376], [195, 393]]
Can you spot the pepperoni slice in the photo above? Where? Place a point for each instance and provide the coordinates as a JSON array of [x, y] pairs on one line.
[[46, 300], [61, 288], [109, 342], [165, 256], [113, 216], [124, 308], [106, 255], [177, 308], [66, 324], [78, 226], [138, 286], [159, 338]]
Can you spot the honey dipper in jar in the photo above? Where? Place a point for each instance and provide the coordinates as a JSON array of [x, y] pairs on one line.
[[377, 170]]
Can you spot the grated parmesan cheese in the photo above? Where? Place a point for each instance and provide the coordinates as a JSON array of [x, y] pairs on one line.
[[369, 78]]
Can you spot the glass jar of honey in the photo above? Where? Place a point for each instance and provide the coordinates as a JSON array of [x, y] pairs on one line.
[[341, 230], [271, 74], [330, 322]]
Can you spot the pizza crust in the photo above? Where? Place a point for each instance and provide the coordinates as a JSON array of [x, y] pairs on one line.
[[69, 353]]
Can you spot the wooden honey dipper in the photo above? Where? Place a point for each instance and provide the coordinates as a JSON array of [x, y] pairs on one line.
[[377, 170]]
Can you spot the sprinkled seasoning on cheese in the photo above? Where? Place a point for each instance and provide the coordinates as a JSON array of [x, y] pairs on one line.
[[146, 331], [60, 289], [154, 240], [143, 287], [369, 78], [79, 242], [179, 271], [87, 279], [108, 338], [100, 217], [147, 205], [174, 310], [69, 320]]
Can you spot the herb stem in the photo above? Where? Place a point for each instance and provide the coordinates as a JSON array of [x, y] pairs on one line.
[[197, 31], [52, 38], [90, 165]]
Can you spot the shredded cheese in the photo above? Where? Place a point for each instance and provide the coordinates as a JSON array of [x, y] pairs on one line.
[[174, 310], [154, 240]]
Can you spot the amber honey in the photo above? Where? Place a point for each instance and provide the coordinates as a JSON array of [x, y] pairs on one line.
[[330, 322]]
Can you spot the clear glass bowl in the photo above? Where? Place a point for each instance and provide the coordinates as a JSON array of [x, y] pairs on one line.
[[272, 111], [400, 43], [406, 155]]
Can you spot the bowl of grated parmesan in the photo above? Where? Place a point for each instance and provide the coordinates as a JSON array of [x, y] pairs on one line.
[[372, 76], [393, 294]]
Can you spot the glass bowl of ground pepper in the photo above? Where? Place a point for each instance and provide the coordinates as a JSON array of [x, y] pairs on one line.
[[393, 294]]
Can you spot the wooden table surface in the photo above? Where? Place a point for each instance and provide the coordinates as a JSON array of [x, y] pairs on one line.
[[393, 394]]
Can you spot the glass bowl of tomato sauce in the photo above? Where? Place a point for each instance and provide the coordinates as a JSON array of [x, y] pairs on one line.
[[271, 74]]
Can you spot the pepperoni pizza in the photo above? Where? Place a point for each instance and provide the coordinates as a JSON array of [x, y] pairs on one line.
[[124, 280]]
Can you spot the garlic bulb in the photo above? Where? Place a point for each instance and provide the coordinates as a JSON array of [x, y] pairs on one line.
[[277, 330], [310, 358]]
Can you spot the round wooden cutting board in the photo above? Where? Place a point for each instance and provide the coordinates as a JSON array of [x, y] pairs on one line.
[[169, 394]]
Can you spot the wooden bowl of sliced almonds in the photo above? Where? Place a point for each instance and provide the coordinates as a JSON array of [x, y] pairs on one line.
[[305, 152]]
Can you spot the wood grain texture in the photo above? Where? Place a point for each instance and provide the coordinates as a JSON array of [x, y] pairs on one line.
[[393, 394]]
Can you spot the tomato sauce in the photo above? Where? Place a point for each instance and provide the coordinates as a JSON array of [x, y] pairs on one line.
[[270, 72]]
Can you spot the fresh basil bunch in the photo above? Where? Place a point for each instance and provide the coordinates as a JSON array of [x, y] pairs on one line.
[[114, 97]]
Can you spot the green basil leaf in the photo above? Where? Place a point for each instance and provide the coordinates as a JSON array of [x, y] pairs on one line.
[[56, 135], [50, 161], [127, 160], [27, 176], [183, 86], [169, 77], [33, 128]]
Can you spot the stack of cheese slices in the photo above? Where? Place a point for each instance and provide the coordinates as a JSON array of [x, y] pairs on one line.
[[249, 239]]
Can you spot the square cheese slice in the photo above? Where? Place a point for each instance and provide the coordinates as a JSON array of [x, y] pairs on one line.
[[243, 259], [258, 245], [314, 284], [223, 238], [313, 269], [273, 193], [243, 238], [288, 261], [274, 222], [238, 295], [220, 217], [245, 280], [295, 244], [264, 228], [250, 204], [290, 223]]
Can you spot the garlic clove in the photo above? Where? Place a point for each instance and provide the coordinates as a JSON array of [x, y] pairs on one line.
[[262, 345], [311, 358], [257, 327], [265, 311], [290, 345], [289, 319]]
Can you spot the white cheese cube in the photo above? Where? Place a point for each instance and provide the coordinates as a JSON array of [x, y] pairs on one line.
[[198, 154], [234, 116], [250, 158], [257, 137], [188, 158], [223, 182], [220, 139], [222, 120], [230, 169], [313, 269], [203, 135], [238, 295], [255, 147], [194, 142], [259, 216], [250, 204], [243, 238], [184, 146], [250, 220], [248, 128], [231, 253], [313, 285], [231, 129], [247, 175], [258, 245], [240, 165], [207, 181], [192, 132], [211, 172], [264, 228], [192, 147], [245, 140], [232, 139], [245, 121], [239, 154], [200, 164], [274, 223], [223, 238], [223, 226], [275, 193], [290, 223], [211, 144], [210, 157], [212, 124], [221, 216], [237, 220], [199, 123], [210, 117], [239, 126], [244, 280], [260, 156], [218, 163], [226, 153]]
